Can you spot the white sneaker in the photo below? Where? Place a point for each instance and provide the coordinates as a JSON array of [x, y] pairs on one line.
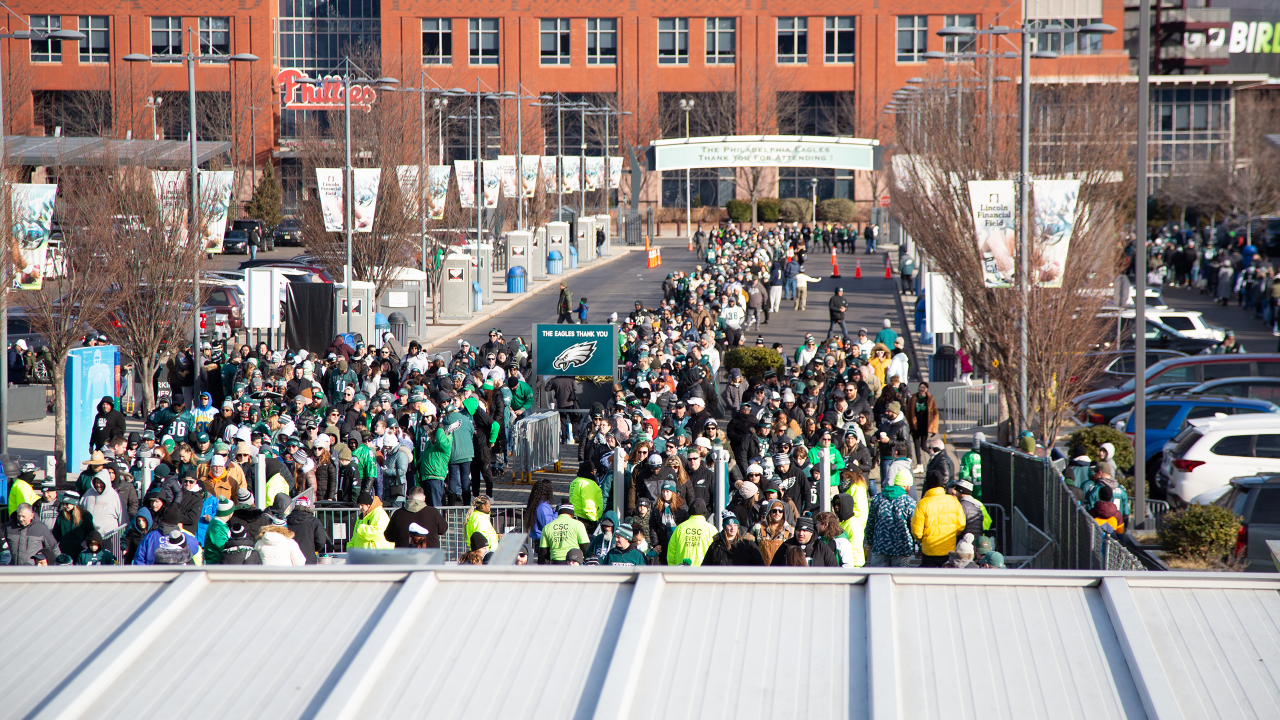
[[919, 469]]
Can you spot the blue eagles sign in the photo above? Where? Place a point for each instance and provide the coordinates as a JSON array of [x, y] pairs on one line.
[[575, 349]]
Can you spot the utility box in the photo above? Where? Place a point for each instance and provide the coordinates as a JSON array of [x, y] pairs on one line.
[[586, 239], [363, 308], [482, 268], [455, 287], [558, 237], [605, 222], [519, 244], [407, 296], [538, 254]]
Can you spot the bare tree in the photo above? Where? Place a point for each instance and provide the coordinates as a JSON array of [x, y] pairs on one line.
[[71, 301], [1079, 134]]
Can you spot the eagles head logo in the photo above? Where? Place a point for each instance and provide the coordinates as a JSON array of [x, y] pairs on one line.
[[575, 355]]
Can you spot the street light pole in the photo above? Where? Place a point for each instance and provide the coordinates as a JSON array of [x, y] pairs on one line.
[[253, 143], [4, 182], [1024, 217], [1140, 271], [813, 187], [687, 105]]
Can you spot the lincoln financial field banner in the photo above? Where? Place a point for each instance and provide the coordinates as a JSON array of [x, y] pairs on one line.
[[993, 203], [767, 151], [575, 349]]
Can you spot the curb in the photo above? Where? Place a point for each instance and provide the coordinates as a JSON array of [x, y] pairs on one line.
[[480, 320]]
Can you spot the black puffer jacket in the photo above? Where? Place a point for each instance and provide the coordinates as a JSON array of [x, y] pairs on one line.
[[308, 532], [817, 552], [743, 553]]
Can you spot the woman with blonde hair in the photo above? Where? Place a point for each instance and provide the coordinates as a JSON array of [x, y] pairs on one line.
[[772, 530]]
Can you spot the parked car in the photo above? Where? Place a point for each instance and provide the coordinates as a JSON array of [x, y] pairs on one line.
[[235, 242], [1256, 501], [1163, 337], [266, 243], [1190, 323], [288, 232], [1104, 413], [1167, 416], [1261, 388], [1207, 454], [1198, 368], [1118, 367], [225, 300]]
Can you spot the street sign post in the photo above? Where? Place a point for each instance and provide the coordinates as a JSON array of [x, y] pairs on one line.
[[575, 350]]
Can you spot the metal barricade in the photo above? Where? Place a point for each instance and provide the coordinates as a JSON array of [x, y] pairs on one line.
[[339, 523], [1156, 510], [969, 406], [114, 542], [535, 444], [1032, 543], [999, 530]]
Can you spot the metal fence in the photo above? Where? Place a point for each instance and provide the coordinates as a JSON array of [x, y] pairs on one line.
[[340, 522], [969, 406], [1034, 488], [114, 542], [535, 443], [1031, 543], [1156, 510]]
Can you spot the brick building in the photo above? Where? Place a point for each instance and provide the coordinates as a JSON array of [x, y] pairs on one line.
[[783, 67]]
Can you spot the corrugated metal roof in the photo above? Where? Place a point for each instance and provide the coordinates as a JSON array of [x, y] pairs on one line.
[[378, 641]]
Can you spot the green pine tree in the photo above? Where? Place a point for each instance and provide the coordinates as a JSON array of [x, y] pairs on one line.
[[267, 203]]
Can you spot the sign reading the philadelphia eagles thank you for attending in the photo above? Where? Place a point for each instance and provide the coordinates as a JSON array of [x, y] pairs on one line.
[[764, 151], [575, 349]]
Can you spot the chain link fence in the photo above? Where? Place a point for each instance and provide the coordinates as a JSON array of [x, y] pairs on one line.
[[1036, 492]]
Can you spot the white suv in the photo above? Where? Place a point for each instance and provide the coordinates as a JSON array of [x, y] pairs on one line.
[[1206, 455]]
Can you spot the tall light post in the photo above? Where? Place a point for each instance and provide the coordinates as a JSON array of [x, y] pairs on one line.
[[422, 90], [479, 95], [813, 188], [1140, 271], [193, 213], [1024, 171], [686, 104], [519, 101], [253, 143], [29, 34], [560, 103], [347, 79], [606, 112]]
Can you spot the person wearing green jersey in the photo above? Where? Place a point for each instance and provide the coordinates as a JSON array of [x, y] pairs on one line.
[[971, 465], [561, 535]]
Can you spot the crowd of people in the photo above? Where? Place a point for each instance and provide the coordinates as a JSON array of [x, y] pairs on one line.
[[823, 447]]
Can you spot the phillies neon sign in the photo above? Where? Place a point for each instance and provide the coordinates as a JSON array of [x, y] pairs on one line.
[[325, 96]]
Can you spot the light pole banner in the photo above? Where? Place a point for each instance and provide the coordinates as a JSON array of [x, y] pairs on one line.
[[410, 190], [569, 172], [329, 187], [994, 204], [215, 199], [365, 193], [492, 181], [171, 197], [32, 207], [437, 190], [593, 178], [466, 182], [510, 179], [575, 349], [529, 175], [615, 172], [1054, 208], [549, 173]]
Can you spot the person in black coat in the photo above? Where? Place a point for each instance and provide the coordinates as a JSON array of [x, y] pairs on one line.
[[818, 553], [418, 512], [191, 502], [564, 393], [482, 461], [307, 529], [108, 423], [732, 546]]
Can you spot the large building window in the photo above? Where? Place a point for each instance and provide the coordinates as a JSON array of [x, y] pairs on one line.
[[798, 183], [483, 44], [673, 41], [1069, 42], [793, 40], [721, 40], [46, 51], [554, 41], [712, 187], [314, 37], [957, 44], [215, 36], [166, 38], [563, 129], [839, 40], [913, 37], [602, 41], [96, 47], [437, 41]]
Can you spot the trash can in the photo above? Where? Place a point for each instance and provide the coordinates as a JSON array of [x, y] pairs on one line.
[[380, 326], [555, 263], [477, 297], [399, 327], [515, 280], [573, 258], [942, 365]]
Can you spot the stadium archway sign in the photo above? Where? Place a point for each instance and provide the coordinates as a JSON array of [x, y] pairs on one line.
[[797, 151], [575, 350]]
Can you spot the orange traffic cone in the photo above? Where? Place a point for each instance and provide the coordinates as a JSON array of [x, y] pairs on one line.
[[888, 269], [835, 270], [857, 270], [833, 256], [690, 242]]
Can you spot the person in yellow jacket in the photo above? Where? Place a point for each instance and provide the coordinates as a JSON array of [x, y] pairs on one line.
[[478, 521], [852, 508], [21, 492], [691, 539], [587, 500], [938, 522], [369, 528]]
